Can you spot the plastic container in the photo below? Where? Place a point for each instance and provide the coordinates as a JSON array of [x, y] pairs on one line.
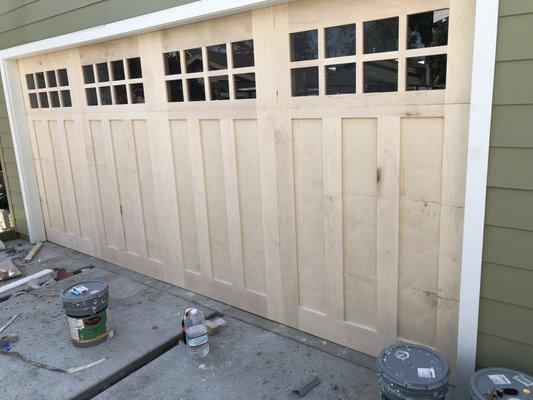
[[196, 334], [412, 372], [86, 307], [501, 383]]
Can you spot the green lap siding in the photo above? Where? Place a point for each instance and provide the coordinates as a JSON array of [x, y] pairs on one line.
[[25, 21], [506, 305]]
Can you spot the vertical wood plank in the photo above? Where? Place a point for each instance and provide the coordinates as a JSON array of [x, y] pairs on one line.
[[264, 30], [202, 222], [332, 170], [388, 175], [227, 133]]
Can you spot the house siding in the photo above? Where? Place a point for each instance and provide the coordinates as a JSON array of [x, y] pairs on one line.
[[506, 304], [25, 21]]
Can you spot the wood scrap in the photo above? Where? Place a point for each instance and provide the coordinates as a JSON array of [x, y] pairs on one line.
[[33, 252], [8, 270], [307, 387]]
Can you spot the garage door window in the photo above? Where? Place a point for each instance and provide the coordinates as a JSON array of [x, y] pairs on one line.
[[114, 82], [48, 89], [228, 75]]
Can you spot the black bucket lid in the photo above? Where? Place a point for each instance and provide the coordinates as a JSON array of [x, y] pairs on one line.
[[414, 367], [512, 384], [83, 292]]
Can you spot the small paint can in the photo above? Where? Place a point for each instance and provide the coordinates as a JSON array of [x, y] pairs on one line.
[[408, 371], [86, 307]]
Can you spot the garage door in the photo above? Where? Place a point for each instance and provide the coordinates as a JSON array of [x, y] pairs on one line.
[[304, 162]]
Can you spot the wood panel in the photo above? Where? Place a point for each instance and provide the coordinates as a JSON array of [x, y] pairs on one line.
[[338, 215]]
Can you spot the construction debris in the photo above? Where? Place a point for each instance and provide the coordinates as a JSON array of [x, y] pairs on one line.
[[307, 387], [9, 322], [24, 281], [33, 252], [8, 270], [213, 326]]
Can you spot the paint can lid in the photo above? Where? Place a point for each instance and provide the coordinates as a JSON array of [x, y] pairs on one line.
[[414, 367], [84, 292], [506, 384]]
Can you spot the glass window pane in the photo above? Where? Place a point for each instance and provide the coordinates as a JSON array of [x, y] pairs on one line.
[[217, 57], [305, 81], [340, 78], [105, 96], [43, 99], [381, 76], [30, 81], [304, 45], [54, 98], [219, 87], [196, 89], [426, 73], [243, 54], [428, 29], [381, 35], [193, 59], [340, 41], [40, 80], [88, 73], [175, 91], [121, 95], [65, 98], [137, 93], [51, 77], [117, 67], [63, 77], [245, 86], [172, 63], [92, 100], [33, 101], [102, 72], [135, 68]]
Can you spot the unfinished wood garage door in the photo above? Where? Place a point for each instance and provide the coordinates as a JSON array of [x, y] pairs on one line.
[[305, 162]]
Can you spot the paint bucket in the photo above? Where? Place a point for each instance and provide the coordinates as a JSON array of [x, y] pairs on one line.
[[501, 383], [412, 372], [86, 308]]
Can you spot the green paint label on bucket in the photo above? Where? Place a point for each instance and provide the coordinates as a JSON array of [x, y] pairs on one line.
[[88, 328]]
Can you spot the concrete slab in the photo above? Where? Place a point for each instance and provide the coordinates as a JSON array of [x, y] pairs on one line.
[[246, 362], [145, 322]]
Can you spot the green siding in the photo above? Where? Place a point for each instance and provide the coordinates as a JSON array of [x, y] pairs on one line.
[[511, 126], [498, 351], [514, 39], [509, 208], [70, 16], [514, 7], [506, 304], [24, 21]]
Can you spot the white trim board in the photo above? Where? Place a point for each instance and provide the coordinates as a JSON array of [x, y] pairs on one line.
[[484, 62]]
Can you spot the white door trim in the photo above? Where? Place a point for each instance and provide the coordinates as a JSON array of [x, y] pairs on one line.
[[185, 14], [484, 60]]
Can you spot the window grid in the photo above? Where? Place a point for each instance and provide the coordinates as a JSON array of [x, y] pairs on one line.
[[112, 83], [206, 74], [52, 83], [360, 58]]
